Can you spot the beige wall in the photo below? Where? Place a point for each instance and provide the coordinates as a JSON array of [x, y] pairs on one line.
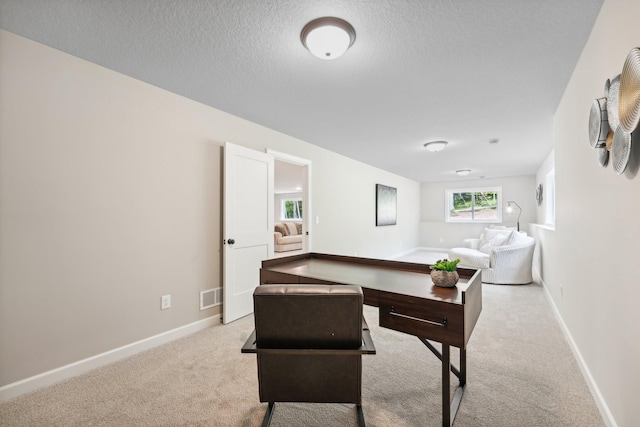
[[593, 253], [110, 198]]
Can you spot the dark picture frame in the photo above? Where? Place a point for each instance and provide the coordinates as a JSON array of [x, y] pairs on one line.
[[386, 205]]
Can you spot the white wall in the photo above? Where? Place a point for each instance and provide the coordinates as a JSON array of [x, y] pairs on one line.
[[436, 233], [110, 197], [590, 260], [347, 211]]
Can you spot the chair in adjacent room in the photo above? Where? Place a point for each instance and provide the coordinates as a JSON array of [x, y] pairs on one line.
[[309, 341]]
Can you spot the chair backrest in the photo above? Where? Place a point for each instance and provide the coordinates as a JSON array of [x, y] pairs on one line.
[[308, 316]]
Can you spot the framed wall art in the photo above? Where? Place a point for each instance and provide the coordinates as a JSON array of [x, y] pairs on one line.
[[539, 194], [386, 205]]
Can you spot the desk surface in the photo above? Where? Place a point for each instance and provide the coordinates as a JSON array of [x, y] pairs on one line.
[[406, 281], [403, 291]]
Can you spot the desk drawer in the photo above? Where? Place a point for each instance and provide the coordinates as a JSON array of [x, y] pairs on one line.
[[434, 320]]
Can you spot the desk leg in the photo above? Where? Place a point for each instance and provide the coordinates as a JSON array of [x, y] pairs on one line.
[[463, 367], [446, 390], [450, 406], [462, 376]]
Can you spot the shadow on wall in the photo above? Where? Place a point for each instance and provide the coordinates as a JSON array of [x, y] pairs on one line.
[[634, 157]]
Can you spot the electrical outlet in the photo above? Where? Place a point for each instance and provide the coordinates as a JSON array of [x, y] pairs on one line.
[[165, 302]]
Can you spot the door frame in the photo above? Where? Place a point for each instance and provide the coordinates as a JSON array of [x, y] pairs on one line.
[[306, 195], [233, 310]]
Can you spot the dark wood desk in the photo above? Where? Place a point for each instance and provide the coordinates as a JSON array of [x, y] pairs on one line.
[[407, 301]]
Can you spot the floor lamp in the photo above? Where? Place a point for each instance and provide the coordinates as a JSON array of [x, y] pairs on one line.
[[510, 209]]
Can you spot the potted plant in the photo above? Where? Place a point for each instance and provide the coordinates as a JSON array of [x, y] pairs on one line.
[[444, 274]]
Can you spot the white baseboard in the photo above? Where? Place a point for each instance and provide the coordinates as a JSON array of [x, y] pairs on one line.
[[396, 256], [445, 250], [53, 376], [586, 373], [419, 248]]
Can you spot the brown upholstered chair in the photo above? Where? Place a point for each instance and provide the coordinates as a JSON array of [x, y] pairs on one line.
[[309, 341]]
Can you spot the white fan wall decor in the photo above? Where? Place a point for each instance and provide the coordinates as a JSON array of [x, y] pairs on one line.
[[614, 119]]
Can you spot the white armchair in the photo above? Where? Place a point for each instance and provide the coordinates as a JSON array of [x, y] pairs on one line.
[[505, 256]]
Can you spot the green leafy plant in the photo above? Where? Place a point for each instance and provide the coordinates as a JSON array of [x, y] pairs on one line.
[[445, 265]]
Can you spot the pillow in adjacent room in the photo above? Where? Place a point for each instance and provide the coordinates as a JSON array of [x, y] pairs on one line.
[[280, 228], [291, 228]]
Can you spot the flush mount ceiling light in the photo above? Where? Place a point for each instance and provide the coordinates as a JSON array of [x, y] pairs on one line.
[[328, 37], [434, 146], [463, 172]]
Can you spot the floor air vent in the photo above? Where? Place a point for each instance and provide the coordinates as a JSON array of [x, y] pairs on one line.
[[210, 298]]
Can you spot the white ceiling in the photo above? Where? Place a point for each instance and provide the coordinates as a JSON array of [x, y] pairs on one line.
[[465, 71]]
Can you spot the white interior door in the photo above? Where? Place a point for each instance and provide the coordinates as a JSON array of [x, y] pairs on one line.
[[247, 226]]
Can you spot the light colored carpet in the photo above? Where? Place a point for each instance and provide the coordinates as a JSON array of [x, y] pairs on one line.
[[521, 372]]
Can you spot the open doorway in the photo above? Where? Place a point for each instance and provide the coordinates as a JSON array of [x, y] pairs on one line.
[[292, 209]]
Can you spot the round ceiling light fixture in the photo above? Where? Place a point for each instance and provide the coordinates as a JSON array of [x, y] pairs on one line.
[[434, 146], [328, 37], [463, 172]]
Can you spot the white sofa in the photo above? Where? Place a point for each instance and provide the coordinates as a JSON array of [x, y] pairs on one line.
[[287, 236], [505, 256]]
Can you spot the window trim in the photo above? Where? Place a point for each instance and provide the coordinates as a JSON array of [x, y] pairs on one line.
[[448, 197], [549, 199], [283, 209]]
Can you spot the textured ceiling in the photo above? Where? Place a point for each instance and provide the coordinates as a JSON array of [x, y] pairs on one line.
[[465, 71]]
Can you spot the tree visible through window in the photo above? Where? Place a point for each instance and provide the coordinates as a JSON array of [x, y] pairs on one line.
[[476, 205], [292, 209]]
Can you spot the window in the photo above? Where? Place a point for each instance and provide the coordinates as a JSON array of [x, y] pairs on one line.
[[291, 209], [474, 205], [550, 198]]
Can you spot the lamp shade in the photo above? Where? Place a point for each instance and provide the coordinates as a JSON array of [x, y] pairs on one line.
[[328, 38]]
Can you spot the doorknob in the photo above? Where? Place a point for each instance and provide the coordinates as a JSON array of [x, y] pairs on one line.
[[230, 241]]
